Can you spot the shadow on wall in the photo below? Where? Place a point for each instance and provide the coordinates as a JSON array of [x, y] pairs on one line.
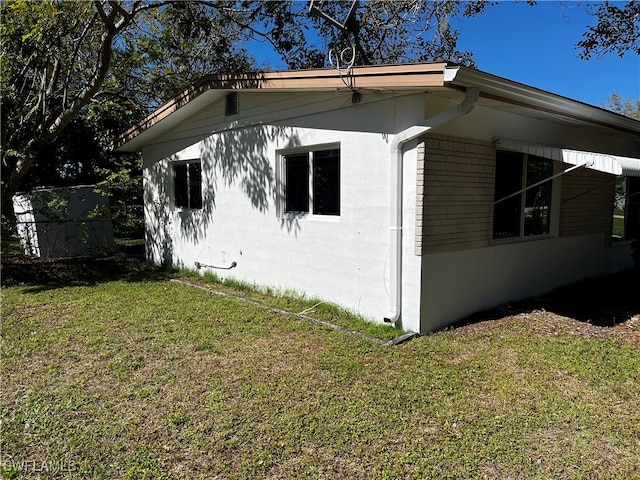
[[602, 301], [158, 243], [232, 158]]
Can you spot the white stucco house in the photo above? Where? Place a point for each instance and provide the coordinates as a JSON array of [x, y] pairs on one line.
[[416, 194]]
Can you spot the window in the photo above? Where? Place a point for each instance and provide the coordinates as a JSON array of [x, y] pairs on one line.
[[626, 209], [522, 196], [187, 182], [312, 182]]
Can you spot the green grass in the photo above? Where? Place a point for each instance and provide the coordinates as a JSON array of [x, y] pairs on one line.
[[294, 302], [158, 380], [618, 226]]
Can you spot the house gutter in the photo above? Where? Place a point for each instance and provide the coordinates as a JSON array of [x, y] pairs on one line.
[[396, 161]]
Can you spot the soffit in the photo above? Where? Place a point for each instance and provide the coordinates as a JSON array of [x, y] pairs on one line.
[[500, 93], [409, 77]]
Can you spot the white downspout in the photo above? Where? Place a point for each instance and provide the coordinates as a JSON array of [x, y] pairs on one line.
[[395, 228]]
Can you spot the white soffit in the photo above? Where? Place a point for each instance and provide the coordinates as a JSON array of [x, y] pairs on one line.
[[534, 99], [612, 164]]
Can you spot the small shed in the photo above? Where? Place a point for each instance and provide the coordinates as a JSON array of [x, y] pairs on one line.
[[63, 222]]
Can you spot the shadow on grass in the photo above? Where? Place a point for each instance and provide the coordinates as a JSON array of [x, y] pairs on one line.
[[125, 263], [604, 301]]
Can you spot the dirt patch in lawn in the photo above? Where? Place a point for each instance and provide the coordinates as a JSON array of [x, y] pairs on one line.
[[126, 263]]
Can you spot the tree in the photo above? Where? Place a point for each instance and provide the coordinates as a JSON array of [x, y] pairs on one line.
[[629, 107], [61, 58], [50, 72], [387, 31], [617, 30], [58, 57]]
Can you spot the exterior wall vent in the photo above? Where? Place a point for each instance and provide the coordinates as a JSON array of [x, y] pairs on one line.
[[231, 104]]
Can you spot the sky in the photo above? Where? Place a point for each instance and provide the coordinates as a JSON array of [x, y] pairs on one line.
[[536, 46]]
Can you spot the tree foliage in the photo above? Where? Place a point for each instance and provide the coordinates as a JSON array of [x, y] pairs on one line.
[[629, 107], [617, 30], [59, 58], [387, 31]]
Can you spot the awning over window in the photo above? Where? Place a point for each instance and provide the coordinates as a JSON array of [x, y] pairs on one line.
[[612, 164]]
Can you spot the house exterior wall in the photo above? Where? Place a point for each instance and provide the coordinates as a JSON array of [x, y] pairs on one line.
[[342, 259], [463, 269], [457, 284], [451, 265], [455, 192], [587, 203]]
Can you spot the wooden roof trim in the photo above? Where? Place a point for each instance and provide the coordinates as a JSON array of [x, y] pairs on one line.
[[377, 76]]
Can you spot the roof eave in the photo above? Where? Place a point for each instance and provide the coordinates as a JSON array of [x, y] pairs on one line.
[[393, 77], [317, 80], [502, 89]]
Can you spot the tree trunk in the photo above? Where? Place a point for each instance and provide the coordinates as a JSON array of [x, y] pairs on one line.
[[19, 173], [11, 187]]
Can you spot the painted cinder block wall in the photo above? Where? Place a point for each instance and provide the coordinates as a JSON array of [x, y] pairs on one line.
[[345, 259]]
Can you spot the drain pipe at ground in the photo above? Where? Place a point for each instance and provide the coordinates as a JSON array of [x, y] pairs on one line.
[[395, 228]]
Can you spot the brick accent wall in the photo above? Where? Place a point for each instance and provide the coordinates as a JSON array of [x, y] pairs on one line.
[[455, 183], [587, 203]]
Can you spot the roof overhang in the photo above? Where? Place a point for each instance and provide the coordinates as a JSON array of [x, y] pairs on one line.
[[417, 76], [517, 94], [612, 164], [436, 77]]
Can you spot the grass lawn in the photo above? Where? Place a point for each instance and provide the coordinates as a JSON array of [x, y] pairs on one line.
[[140, 377]]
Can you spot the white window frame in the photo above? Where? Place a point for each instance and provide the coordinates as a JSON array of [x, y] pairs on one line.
[[281, 175]]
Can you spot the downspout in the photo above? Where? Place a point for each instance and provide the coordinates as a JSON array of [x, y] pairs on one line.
[[396, 161]]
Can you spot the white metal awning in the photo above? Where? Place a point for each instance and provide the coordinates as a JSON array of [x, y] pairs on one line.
[[612, 164]]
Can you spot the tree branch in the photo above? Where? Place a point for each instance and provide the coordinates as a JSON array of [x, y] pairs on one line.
[[80, 40]]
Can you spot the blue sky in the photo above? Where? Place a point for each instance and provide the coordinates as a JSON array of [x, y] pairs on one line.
[[536, 46]]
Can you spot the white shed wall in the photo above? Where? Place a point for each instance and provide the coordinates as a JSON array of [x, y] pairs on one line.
[[63, 222]]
